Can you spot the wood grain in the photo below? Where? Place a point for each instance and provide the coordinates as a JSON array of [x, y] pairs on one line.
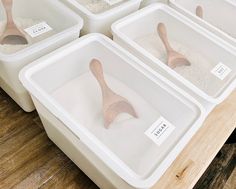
[[199, 153], [29, 160], [231, 182], [220, 170]]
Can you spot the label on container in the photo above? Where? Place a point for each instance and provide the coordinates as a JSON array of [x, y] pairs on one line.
[[112, 2], [38, 29], [221, 71], [160, 131]]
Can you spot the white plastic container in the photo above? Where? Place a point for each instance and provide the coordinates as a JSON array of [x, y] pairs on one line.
[[65, 27], [100, 22], [145, 3], [70, 106], [218, 16], [207, 53]]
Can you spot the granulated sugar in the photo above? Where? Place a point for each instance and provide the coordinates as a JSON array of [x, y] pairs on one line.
[[97, 6], [82, 98], [23, 23], [199, 73], [2, 27]]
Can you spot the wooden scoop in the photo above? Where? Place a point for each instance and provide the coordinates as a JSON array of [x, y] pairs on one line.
[[199, 11], [12, 35], [175, 59], [113, 104]]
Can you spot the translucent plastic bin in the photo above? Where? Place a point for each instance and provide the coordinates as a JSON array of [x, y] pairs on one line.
[[218, 16], [145, 3], [70, 105], [212, 73], [28, 14], [99, 15]]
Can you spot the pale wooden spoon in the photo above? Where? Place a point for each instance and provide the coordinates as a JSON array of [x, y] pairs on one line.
[[12, 35], [199, 11], [113, 104], [174, 59]]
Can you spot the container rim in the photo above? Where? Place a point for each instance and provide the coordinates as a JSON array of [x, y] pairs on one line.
[[206, 24], [81, 133], [40, 45], [116, 26], [107, 13]]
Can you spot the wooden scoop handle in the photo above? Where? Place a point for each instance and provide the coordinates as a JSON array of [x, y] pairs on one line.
[[199, 11], [8, 8], [97, 70], [163, 35]]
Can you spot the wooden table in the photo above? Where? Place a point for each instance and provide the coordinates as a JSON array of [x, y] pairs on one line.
[[23, 145], [199, 153]]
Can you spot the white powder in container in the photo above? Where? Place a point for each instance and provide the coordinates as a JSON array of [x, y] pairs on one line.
[[97, 6], [22, 24], [82, 99], [2, 26], [199, 73]]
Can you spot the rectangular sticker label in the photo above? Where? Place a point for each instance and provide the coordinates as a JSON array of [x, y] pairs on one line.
[[221, 71], [112, 2], [160, 131], [38, 29]]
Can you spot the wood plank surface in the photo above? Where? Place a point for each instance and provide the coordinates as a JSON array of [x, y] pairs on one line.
[[199, 153], [222, 167], [231, 182], [29, 160]]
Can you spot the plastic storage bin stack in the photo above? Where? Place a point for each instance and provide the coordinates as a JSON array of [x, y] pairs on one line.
[[218, 16], [170, 103], [211, 75], [129, 154], [98, 15], [54, 24]]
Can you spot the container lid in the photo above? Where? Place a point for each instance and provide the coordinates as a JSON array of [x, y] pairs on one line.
[[100, 9], [40, 29], [203, 77], [138, 150], [222, 25]]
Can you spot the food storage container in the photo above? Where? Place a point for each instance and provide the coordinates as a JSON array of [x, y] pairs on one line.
[[145, 3], [98, 15], [218, 16], [211, 75], [131, 152], [46, 24]]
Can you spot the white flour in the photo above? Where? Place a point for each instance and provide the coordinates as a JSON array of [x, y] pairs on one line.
[[199, 73], [82, 98], [97, 6], [22, 24]]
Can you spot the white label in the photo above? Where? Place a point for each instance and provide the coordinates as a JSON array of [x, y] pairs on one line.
[[160, 131], [38, 29], [221, 71], [112, 2]]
